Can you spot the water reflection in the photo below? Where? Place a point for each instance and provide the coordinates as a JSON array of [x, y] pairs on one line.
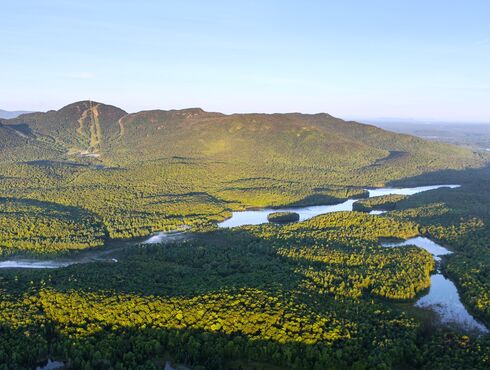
[[259, 216], [51, 365], [406, 191], [100, 254], [34, 264], [425, 243], [443, 297]]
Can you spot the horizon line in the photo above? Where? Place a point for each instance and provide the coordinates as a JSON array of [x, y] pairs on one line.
[[346, 117]]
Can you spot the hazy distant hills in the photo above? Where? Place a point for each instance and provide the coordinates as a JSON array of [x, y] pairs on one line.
[[474, 135], [11, 114], [291, 140]]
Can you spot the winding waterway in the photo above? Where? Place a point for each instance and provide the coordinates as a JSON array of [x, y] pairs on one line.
[[97, 254], [442, 298], [259, 216]]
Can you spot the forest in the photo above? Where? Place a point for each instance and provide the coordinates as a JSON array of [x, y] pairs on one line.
[[255, 295], [317, 294], [382, 203]]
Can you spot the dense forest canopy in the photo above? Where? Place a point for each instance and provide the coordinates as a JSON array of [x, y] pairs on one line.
[[318, 294], [154, 170]]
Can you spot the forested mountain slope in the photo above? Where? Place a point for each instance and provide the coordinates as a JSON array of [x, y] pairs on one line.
[[18, 144], [295, 139], [318, 294], [152, 170], [82, 126]]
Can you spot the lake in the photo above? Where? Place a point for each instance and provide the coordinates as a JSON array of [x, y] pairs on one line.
[[240, 218], [259, 216], [443, 297]]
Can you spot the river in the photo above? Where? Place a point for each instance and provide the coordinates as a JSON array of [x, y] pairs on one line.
[[442, 297], [97, 254], [259, 216], [240, 218]]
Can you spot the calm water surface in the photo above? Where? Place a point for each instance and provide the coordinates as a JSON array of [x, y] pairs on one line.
[[433, 248], [259, 216], [252, 217], [443, 297], [51, 365], [34, 264], [98, 254], [406, 191]]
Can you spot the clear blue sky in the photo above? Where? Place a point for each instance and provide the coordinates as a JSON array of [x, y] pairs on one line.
[[393, 58]]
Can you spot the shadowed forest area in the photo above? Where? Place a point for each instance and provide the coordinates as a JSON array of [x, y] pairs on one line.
[[317, 294]]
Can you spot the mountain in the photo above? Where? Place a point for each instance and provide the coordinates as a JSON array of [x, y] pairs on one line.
[[312, 140], [10, 139], [17, 144], [155, 170], [11, 114], [79, 127]]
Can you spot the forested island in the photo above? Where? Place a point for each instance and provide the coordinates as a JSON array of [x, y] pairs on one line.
[[283, 217], [317, 294]]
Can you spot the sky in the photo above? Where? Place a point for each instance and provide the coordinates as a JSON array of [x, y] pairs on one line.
[[412, 59]]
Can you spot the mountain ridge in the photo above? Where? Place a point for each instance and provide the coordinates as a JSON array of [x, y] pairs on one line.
[[155, 170], [105, 130]]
